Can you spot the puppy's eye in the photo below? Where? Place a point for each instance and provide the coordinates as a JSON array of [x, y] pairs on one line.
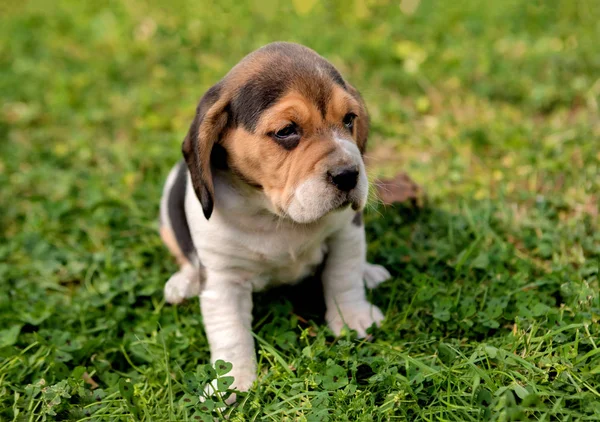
[[349, 121], [288, 137], [286, 132]]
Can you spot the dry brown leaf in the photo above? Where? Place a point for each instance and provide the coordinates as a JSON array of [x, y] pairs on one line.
[[401, 188]]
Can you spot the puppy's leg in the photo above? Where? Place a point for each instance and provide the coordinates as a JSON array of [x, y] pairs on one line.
[[343, 283], [226, 305], [184, 284], [375, 274]]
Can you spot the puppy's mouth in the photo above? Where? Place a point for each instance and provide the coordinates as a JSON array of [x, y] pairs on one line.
[[342, 202], [346, 202], [336, 206], [315, 203], [344, 205]]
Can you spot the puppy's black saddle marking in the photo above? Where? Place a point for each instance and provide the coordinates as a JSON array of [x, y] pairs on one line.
[[176, 210]]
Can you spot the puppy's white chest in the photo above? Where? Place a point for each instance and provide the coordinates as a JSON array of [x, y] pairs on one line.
[[291, 265], [268, 260], [258, 249]]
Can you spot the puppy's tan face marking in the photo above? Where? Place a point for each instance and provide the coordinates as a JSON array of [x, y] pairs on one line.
[[320, 144], [296, 130]]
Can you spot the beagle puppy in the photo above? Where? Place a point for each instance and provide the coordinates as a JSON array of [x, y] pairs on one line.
[[273, 184]]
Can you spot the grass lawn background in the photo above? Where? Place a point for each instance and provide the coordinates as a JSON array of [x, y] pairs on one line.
[[492, 313]]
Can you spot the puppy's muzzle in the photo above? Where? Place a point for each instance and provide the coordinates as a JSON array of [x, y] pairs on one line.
[[344, 178]]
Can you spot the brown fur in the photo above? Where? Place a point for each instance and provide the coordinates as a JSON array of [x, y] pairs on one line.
[[169, 238], [279, 171], [314, 97]]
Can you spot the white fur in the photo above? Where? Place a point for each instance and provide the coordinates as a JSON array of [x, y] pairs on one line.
[[183, 284], [343, 286], [227, 313], [375, 275]]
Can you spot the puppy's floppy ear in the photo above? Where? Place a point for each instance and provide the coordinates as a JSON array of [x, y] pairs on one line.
[[362, 123], [205, 130]]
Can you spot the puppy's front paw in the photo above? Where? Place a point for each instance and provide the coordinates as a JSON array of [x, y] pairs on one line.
[[182, 285], [243, 380], [375, 274], [357, 317]]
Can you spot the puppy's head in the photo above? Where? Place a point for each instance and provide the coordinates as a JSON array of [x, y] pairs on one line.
[[290, 127]]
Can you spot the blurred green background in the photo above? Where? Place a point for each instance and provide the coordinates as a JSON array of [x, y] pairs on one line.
[[491, 106]]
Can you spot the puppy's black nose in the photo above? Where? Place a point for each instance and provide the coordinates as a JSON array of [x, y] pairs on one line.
[[344, 178]]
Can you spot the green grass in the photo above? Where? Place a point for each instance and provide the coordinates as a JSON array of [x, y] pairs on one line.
[[493, 310]]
